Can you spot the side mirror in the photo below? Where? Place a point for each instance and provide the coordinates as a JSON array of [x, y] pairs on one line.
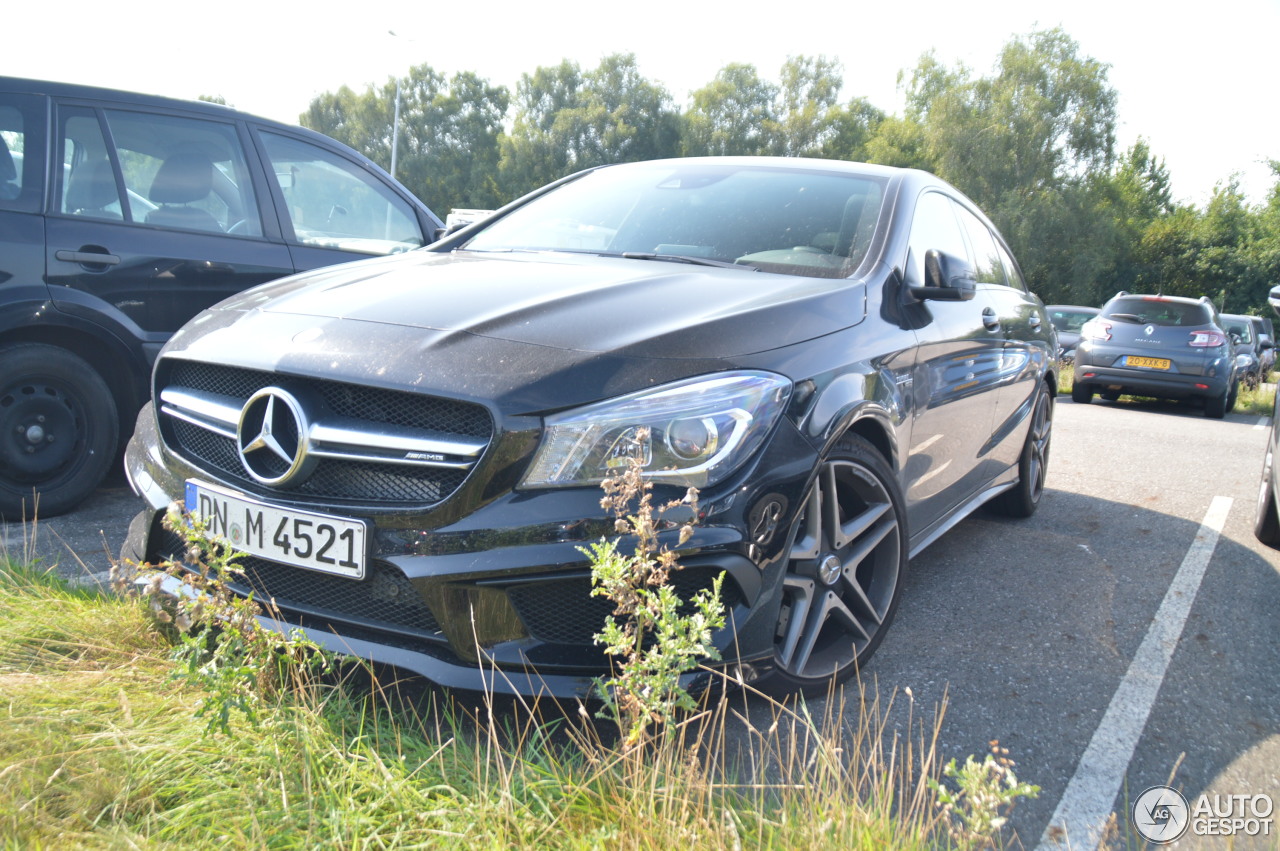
[[1264, 342], [946, 278], [1274, 299], [1235, 338]]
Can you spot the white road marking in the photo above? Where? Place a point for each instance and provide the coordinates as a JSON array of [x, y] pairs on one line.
[[1262, 422], [1082, 813]]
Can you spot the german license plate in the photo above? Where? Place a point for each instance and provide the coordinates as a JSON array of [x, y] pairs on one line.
[[289, 536], [1147, 363]]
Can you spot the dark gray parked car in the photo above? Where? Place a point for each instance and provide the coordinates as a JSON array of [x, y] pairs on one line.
[[1162, 346], [843, 358], [1266, 522]]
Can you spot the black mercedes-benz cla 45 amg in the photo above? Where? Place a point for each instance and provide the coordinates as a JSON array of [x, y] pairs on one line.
[[843, 359]]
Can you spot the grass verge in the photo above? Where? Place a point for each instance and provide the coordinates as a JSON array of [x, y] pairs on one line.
[[101, 749]]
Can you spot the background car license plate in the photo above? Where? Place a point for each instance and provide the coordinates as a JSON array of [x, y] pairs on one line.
[[1148, 363], [299, 538]]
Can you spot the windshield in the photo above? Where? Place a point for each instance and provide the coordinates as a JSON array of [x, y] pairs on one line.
[[1240, 327], [1070, 320], [792, 221]]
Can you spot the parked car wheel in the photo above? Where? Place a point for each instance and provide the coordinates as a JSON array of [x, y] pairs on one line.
[[1081, 394], [1215, 407], [1266, 520], [845, 571], [1023, 500], [58, 430]]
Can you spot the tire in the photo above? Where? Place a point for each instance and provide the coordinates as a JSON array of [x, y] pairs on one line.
[[1266, 520], [1081, 394], [1033, 465], [1215, 407], [844, 572], [59, 430]]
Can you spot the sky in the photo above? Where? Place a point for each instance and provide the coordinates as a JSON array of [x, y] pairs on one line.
[[1197, 83]]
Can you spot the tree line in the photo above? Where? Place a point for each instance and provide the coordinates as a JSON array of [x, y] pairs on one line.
[[1032, 143]]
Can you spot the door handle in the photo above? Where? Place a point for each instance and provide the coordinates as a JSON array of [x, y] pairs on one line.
[[87, 258], [990, 319], [1034, 322]]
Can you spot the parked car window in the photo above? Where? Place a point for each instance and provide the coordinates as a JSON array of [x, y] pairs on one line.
[[802, 223], [1012, 276], [89, 184], [20, 131], [332, 203], [987, 268], [934, 227], [193, 171], [1159, 312]]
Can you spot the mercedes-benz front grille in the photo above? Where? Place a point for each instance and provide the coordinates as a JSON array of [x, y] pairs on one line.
[[349, 442]]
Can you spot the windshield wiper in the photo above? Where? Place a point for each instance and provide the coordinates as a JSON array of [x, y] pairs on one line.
[[685, 258]]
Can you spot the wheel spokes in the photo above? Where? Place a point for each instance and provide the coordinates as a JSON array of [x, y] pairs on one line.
[[849, 518]]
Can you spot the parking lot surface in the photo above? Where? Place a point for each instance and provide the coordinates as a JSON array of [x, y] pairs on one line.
[[1124, 635]]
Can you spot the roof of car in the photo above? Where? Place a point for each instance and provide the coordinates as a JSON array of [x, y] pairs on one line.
[[79, 90]]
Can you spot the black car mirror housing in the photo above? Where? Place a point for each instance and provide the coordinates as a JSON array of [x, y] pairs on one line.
[[946, 278]]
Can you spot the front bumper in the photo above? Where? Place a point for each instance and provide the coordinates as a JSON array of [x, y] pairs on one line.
[[499, 599]]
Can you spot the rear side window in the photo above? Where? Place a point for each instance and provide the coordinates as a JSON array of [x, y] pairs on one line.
[[1158, 311], [987, 267], [157, 170], [332, 202], [21, 152]]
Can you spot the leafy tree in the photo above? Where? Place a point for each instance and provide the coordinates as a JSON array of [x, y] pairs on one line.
[[447, 145], [1025, 144], [734, 114], [568, 120]]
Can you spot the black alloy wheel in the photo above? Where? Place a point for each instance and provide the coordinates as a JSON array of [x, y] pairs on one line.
[[58, 430], [844, 572], [1266, 519], [1033, 465]]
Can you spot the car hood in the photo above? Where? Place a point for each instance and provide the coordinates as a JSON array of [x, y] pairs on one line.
[[523, 333], [582, 303]]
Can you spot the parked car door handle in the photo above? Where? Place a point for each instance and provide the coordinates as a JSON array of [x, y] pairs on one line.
[[990, 319], [87, 258], [1034, 322]]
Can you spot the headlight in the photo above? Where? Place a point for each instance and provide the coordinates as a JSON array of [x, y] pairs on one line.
[[698, 431]]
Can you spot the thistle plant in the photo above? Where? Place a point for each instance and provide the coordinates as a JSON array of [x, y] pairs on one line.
[[220, 645], [654, 637]]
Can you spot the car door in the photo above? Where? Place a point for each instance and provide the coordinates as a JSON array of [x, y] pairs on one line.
[[957, 373], [155, 217], [1027, 339], [335, 208]]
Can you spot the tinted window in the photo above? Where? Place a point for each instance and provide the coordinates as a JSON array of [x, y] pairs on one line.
[[987, 268], [797, 221], [934, 227], [1158, 311], [1012, 276], [21, 152], [332, 202]]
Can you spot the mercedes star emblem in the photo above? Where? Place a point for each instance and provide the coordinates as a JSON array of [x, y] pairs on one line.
[[272, 437]]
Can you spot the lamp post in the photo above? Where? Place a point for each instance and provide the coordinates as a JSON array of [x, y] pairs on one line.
[[395, 121]]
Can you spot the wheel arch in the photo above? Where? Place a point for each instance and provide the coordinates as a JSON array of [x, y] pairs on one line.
[[122, 370]]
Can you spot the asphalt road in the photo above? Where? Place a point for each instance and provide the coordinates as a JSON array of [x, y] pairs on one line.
[[1126, 633]]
